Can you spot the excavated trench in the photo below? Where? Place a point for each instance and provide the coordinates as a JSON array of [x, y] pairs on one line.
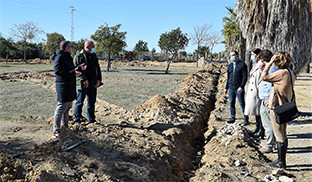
[[199, 139], [188, 111]]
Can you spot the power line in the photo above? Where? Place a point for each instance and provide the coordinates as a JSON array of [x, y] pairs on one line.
[[35, 6], [90, 17]]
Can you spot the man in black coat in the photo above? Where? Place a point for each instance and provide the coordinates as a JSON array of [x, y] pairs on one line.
[[65, 81], [88, 81], [236, 81]]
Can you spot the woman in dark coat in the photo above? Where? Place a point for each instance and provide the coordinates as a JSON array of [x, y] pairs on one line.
[[65, 80]]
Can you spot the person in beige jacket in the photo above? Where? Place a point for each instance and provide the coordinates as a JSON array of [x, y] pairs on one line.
[[282, 91]]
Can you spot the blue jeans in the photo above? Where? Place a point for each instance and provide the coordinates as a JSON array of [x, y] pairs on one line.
[[241, 99], [90, 92]]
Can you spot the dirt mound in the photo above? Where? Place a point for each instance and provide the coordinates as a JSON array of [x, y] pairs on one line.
[[37, 77], [231, 155], [110, 153], [43, 75], [134, 63], [10, 169], [37, 60]]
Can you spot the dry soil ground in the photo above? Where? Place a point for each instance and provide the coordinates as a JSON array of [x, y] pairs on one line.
[[156, 137]]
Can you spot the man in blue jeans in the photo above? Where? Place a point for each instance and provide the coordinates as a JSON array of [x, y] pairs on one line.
[[236, 81], [89, 81]]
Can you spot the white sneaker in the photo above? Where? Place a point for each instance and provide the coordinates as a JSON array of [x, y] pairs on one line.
[[55, 135]]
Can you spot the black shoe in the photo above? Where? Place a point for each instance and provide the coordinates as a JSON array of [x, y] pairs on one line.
[[277, 163], [231, 121], [258, 125], [246, 123], [260, 134], [93, 121], [77, 122]]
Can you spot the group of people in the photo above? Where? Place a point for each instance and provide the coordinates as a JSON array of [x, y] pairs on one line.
[[270, 84], [84, 66]]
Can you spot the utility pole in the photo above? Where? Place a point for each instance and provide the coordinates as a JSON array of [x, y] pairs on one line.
[[72, 23]]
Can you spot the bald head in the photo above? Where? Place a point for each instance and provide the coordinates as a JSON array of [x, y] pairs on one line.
[[88, 46]]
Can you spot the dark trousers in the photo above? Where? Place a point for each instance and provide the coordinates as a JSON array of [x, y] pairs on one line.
[[241, 99], [90, 92]]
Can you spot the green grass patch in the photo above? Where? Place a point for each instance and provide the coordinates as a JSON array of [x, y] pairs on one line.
[[20, 100], [24, 67], [130, 86]]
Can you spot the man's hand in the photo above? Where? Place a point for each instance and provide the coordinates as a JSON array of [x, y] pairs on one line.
[[239, 90], [225, 91], [97, 84], [77, 73], [83, 66], [85, 84]]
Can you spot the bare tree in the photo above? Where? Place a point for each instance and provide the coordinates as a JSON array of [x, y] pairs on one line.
[[214, 39], [26, 32], [200, 37]]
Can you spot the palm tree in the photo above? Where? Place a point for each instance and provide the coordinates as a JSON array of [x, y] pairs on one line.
[[231, 31]]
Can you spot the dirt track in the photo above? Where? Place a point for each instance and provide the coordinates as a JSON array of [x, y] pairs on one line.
[[168, 138]]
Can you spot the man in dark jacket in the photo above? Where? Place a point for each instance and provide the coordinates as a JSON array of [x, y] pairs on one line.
[[236, 81], [65, 80], [88, 81]]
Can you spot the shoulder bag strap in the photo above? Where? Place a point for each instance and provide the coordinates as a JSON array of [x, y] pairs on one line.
[[274, 99], [292, 87]]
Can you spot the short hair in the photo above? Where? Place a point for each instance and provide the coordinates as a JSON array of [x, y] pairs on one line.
[[236, 53], [64, 44], [283, 60], [87, 43], [256, 51], [265, 55]]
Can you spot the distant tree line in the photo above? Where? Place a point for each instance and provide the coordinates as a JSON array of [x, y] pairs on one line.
[[15, 50], [10, 49], [110, 42]]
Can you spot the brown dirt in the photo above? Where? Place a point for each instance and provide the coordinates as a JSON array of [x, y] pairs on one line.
[[176, 137]]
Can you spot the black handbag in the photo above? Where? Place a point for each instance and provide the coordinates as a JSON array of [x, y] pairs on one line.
[[288, 111]]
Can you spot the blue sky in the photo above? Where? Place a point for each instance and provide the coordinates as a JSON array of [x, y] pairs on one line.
[[142, 19]]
